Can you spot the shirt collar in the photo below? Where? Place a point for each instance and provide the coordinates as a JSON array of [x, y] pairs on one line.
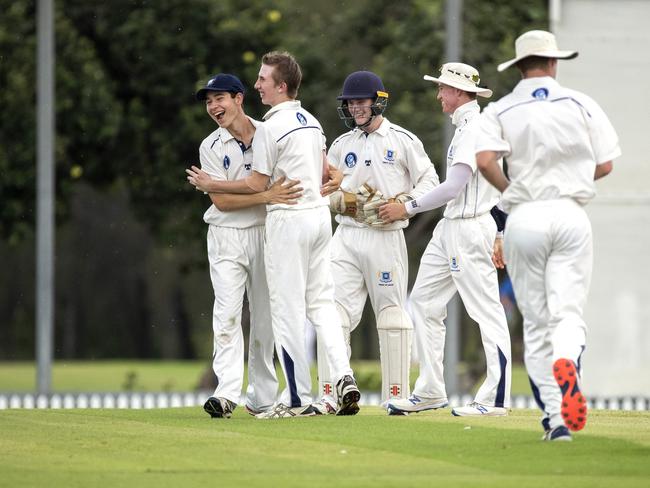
[[382, 130], [288, 105], [526, 84], [463, 113]]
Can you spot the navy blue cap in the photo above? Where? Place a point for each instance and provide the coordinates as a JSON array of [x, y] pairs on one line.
[[222, 82]]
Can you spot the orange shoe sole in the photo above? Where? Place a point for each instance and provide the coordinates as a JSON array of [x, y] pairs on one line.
[[574, 403]]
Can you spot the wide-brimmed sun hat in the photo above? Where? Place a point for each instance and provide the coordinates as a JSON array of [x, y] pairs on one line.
[[461, 76], [536, 43]]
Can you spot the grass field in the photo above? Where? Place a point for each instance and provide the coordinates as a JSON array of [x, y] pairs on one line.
[[184, 448], [123, 375]]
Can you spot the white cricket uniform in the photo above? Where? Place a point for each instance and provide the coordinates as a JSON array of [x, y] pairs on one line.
[[290, 143], [236, 256], [372, 261], [553, 138], [459, 258]]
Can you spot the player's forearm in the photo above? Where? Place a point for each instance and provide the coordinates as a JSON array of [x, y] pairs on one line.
[[603, 169], [227, 202], [234, 186], [487, 162], [457, 178]]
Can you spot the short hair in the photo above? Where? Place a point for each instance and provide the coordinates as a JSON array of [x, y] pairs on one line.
[[286, 69], [533, 62]]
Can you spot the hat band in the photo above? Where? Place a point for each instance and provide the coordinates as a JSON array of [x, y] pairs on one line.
[[474, 79]]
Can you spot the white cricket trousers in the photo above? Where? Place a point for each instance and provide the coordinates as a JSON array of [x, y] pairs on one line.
[[549, 253], [299, 274], [459, 258], [369, 262], [236, 259]]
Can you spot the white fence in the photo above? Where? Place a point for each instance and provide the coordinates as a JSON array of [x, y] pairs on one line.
[[139, 400]]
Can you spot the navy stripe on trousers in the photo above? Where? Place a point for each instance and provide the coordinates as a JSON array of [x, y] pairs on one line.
[[291, 378], [501, 387]]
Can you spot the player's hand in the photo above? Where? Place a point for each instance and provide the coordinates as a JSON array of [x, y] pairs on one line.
[[283, 193], [497, 253], [334, 182], [199, 178], [392, 212]]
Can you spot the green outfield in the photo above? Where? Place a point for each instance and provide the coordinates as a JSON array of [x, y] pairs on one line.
[[127, 375], [183, 447]]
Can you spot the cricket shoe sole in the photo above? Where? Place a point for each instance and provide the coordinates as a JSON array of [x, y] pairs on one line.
[[349, 403], [219, 408], [348, 396], [574, 403]]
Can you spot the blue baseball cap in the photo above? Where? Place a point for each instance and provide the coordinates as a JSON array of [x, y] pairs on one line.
[[223, 82]]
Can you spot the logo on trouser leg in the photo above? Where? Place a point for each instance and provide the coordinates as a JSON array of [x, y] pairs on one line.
[[327, 388], [385, 278], [395, 390]]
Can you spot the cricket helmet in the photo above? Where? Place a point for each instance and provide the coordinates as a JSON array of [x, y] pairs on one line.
[[361, 85]]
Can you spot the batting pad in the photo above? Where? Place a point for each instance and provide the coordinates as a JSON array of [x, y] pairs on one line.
[[395, 331]]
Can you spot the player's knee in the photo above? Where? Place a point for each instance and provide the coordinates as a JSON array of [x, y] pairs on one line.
[[394, 318]]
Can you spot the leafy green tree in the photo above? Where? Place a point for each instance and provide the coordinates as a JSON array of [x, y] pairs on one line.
[[128, 125]]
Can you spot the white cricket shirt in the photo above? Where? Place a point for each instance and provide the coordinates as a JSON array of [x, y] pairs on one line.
[[290, 142], [479, 196], [552, 137], [225, 158], [390, 159]]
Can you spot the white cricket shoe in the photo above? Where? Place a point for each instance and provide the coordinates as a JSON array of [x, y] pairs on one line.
[[326, 406], [415, 404], [282, 411], [477, 410]]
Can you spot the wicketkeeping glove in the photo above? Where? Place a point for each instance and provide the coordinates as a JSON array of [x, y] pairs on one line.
[[400, 198], [344, 203], [373, 200]]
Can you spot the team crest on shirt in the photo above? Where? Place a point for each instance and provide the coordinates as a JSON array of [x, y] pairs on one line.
[[389, 156], [540, 94], [350, 160], [226, 162], [453, 264], [248, 166], [385, 278], [301, 118]]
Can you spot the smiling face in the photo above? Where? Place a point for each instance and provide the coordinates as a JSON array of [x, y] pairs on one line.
[[271, 92], [450, 98], [360, 110], [223, 107]]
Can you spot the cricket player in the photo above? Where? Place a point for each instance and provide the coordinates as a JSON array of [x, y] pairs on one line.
[[291, 144], [235, 252], [458, 258], [557, 142], [380, 161]]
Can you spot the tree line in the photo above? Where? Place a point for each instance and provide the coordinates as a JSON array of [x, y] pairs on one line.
[[131, 268]]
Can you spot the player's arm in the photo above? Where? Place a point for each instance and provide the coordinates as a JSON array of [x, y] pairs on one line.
[[497, 253], [332, 178], [488, 164], [255, 183], [603, 169], [277, 193], [457, 177]]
